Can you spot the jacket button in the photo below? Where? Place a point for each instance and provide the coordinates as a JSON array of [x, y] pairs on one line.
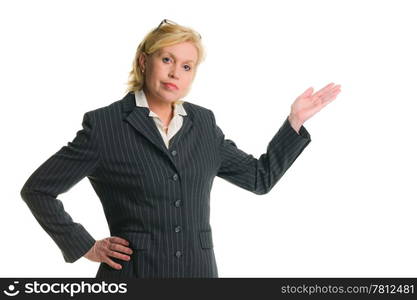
[[175, 177], [178, 229], [178, 254], [174, 152], [178, 203]]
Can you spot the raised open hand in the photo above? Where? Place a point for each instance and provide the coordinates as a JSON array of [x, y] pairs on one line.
[[308, 104], [109, 247]]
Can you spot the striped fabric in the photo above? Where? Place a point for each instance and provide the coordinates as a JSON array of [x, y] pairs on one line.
[[157, 198], [175, 124]]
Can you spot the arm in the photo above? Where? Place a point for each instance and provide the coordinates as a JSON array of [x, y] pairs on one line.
[[56, 176], [260, 175]]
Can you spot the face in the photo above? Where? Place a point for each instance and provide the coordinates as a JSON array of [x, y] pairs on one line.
[[174, 64]]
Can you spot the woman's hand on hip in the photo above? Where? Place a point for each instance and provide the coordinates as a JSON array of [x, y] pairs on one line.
[[109, 247]]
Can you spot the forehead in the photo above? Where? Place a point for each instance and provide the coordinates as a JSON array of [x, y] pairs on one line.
[[185, 52]]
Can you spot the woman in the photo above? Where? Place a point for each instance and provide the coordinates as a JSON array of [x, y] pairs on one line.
[[151, 157]]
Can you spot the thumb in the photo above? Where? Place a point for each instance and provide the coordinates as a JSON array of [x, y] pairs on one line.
[[308, 91]]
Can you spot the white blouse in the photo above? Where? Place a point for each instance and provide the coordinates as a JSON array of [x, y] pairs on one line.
[[174, 125]]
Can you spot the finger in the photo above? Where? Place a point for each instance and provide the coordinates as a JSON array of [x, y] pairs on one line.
[[112, 264], [333, 92], [323, 97], [336, 88], [330, 98], [121, 248], [118, 255], [324, 103], [323, 90], [119, 240], [330, 93]]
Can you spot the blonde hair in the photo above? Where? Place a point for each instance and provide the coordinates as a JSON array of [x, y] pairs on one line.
[[165, 35]]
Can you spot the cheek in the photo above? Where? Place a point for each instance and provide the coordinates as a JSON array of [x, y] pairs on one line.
[[188, 78], [156, 72], [153, 79]]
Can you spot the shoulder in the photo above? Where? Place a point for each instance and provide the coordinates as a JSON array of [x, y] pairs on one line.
[[114, 109], [198, 110], [195, 107]]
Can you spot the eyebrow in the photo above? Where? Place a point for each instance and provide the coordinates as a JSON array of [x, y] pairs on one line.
[[190, 60]]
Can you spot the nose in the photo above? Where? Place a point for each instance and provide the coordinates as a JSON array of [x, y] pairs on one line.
[[174, 72]]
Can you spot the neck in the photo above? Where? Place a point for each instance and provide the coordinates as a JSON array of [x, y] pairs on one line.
[[163, 109]]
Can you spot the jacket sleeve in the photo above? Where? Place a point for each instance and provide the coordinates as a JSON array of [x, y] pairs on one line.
[[260, 175], [55, 176]]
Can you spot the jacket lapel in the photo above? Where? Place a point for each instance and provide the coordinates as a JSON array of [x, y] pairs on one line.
[[145, 125]]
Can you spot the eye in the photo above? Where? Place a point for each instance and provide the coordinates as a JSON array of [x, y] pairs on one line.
[[189, 68], [164, 58]]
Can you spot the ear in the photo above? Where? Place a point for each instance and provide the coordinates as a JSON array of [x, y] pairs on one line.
[[142, 60]]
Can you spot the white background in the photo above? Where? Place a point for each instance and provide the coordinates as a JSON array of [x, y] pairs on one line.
[[347, 206]]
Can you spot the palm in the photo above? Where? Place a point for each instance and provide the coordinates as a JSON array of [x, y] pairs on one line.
[[308, 104]]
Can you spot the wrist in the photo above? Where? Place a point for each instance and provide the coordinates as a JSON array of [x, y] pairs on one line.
[[295, 122]]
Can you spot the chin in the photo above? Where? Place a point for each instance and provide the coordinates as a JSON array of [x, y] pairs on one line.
[[170, 97]]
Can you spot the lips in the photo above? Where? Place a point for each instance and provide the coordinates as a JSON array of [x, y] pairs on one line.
[[170, 85]]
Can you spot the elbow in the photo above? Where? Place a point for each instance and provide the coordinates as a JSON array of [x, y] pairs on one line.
[[264, 184], [24, 193], [262, 190]]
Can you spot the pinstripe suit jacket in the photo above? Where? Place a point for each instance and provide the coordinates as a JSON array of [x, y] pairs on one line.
[[157, 198]]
